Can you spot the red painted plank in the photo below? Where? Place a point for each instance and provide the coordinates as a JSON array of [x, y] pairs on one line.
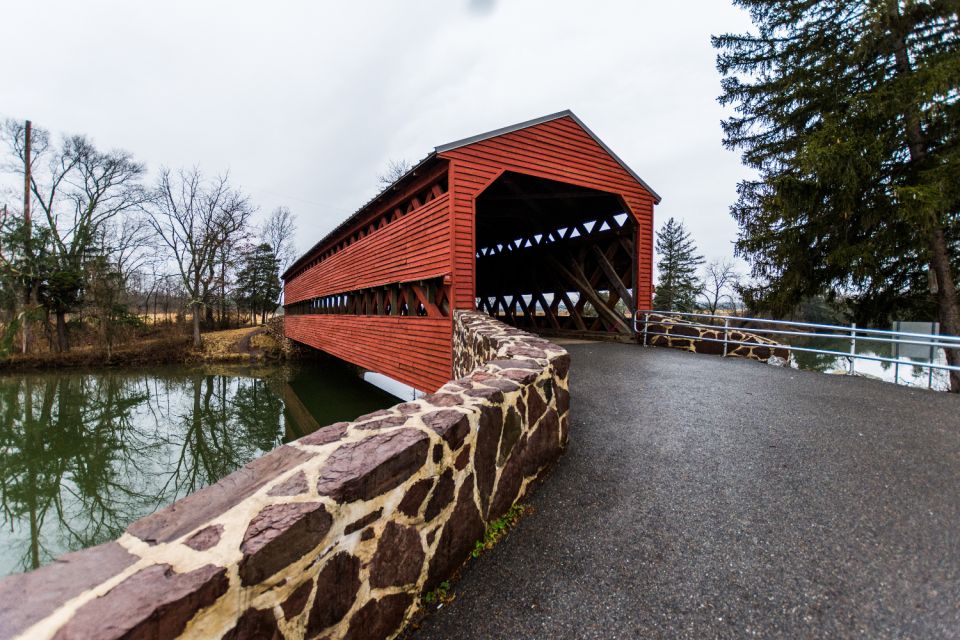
[[415, 351]]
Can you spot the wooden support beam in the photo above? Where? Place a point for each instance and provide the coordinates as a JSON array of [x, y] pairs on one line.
[[612, 276], [575, 275], [424, 298], [547, 311], [572, 310]]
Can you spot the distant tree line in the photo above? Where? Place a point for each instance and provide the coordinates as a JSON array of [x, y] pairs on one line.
[[105, 256]]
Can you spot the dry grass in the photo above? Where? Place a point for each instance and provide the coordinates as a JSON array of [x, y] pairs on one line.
[[166, 349], [158, 346], [221, 343], [238, 344], [264, 341]]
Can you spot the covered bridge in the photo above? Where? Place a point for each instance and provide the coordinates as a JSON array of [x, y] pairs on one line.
[[539, 224]]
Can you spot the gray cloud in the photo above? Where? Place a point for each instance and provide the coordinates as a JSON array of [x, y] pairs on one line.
[[482, 6], [304, 102]]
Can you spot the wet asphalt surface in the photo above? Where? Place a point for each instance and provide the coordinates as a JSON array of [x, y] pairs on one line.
[[703, 497]]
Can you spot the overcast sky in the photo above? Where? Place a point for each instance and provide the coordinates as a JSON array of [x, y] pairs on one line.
[[305, 102]]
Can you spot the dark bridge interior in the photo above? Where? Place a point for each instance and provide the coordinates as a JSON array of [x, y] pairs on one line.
[[555, 258]]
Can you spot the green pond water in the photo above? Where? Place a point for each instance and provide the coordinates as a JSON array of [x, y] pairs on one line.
[[84, 454]]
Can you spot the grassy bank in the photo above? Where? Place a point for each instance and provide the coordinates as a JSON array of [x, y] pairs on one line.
[[249, 344]]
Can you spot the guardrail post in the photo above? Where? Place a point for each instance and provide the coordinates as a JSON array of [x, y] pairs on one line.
[[896, 346], [726, 332], [934, 330], [646, 320], [853, 346]]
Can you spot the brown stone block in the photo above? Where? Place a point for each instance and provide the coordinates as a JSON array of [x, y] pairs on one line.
[[463, 459], [156, 602], [356, 525], [450, 425], [366, 469], [295, 485], [27, 598], [410, 504], [379, 413], [525, 351], [512, 428], [546, 389], [480, 376], [517, 363], [297, 600], [523, 376], [443, 399], [198, 508], [255, 624], [561, 365], [337, 586], [442, 495], [398, 559], [536, 407], [542, 445], [508, 488], [280, 535], [326, 435], [461, 531], [408, 408], [381, 423], [503, 384], [563, 400], [678, 329], [379, 619], [206, 538], [491, 395], [489, 430]]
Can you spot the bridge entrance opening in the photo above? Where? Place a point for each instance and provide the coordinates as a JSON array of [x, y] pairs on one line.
[[555, 258]]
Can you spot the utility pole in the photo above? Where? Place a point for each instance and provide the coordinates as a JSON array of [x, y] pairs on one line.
[[28, 294]]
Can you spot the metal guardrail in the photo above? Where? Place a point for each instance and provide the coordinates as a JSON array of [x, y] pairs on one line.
[[786, 328]]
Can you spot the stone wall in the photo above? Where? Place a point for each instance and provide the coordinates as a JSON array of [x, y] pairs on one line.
[[682, 334], [333, 535]]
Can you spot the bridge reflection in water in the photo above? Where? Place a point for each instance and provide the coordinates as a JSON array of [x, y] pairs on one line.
[[82, 455]]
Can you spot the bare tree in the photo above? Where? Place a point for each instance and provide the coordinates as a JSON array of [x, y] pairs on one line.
[[79, 190], [278, 231], [720, 280], [395, 170], [196, 218]]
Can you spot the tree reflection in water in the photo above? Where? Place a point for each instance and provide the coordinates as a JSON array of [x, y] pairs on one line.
[[82, 455]]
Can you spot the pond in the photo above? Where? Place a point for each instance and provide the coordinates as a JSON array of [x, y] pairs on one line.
[[84, 454], [908, 371]]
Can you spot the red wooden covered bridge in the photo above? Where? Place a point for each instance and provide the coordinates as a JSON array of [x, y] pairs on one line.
[[539, 224]]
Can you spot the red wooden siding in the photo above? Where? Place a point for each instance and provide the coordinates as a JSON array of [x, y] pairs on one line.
[[417, 246], [558, 150], [415, 351], [377, 247]]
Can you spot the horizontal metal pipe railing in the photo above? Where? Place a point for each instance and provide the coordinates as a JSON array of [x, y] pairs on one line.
[[852, 333], [948, 342], [846, 330]]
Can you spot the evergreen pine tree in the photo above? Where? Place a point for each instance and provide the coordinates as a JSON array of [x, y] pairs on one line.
[[258, 281], [850, 114], [678, 285]]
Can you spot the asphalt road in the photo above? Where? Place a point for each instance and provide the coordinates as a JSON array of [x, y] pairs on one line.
[[703, 497]]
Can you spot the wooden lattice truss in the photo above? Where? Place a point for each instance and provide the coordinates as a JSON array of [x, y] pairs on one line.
[[577, 278], [425, 298]]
